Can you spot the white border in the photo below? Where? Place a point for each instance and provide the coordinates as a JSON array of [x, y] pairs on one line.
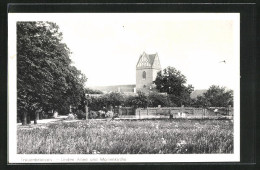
[[13, 157]]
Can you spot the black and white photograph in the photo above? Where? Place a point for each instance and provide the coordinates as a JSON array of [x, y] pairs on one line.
[[123, 87]]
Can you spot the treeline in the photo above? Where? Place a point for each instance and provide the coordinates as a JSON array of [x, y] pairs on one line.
[[215, 96], [119, 99], [46, 79]]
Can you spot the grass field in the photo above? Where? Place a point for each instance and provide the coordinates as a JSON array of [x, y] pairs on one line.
[[127, 137]]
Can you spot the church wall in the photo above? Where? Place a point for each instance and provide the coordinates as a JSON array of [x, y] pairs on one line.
[[150, 77]]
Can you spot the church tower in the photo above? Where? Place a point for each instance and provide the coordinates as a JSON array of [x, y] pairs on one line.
[[147, 68]]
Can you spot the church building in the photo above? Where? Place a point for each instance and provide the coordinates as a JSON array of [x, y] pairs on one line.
[[147, 67]]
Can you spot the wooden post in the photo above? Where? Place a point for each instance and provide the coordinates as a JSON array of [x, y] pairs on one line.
[[147, 111], [182, 110], [36, 117], [70, 109], [28, 118], [229, 110], [171, 115], [86, 110], [40, 115], [24, 121], [159, 110]]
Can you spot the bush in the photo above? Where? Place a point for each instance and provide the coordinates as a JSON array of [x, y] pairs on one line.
[[137, 101], [111, 99], [114, 99], [97, 103], [102, 114], [92, 91], [71, 117], [93, 115], [80, 114], [109, 114], [156, 99]]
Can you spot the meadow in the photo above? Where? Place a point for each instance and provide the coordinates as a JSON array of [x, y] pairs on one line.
[[127, 137]]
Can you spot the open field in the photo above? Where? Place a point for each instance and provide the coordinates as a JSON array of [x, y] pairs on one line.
[[127, 137]]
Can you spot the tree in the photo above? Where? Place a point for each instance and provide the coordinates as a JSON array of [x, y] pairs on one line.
[[92, 91], [200, 101], [96, 103], [215, 96], [114, 99], [172, 82], [219, 96], [108, 100], [45, 78], [141, 100], [156, 99], [86, 100]]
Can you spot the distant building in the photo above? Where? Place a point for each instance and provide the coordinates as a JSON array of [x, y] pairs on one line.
[[130, 88], [147, 67]]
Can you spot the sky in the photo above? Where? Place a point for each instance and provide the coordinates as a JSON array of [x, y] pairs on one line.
[[106, 47]]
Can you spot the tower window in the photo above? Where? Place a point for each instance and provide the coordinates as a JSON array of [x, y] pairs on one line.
[[144, 75]]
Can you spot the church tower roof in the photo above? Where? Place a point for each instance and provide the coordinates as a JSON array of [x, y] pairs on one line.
[[148, 61]]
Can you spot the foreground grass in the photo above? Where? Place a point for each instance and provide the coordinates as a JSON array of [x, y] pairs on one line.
[[128, 137]]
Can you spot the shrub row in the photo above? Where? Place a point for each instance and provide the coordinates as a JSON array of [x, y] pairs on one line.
[[118, 99]]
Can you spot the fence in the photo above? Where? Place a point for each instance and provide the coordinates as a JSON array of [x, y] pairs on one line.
[[175, 112], [125, 111]]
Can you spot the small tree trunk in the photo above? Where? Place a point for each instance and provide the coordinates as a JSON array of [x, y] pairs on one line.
[[171, 115], [40, 116], [28, 118], [36, 117], [86, 110], [229, 110], [24, 118]]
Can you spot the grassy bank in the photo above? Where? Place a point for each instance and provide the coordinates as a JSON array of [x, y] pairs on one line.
[[128, 137]]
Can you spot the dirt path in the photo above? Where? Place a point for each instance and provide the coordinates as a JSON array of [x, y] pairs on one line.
[[44, 121]]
